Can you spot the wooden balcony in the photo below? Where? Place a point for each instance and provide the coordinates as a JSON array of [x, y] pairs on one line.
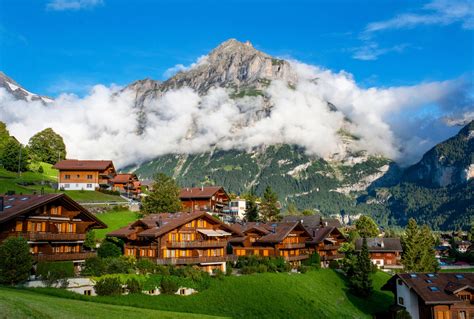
[[295, 258], [196, 244], [191, 260], [330, 247], [64, 256], [292, 245], [40, 236], [332, 256]]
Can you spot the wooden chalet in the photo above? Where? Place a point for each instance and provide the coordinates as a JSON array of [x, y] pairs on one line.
[[54, 225], [326, 238], [284, 239], [433, 295], [184, 238], [384, 252], [209, 198], [85, 174], [126, 183]]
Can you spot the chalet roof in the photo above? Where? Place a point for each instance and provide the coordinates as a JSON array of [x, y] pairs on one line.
[[82, 165], [310, 222], [159, 224], [280, 231], [322, 233], [380, 244], [199, 192], [249, 226], [445, 285], [123, 178], [332, 222], [16, 205]]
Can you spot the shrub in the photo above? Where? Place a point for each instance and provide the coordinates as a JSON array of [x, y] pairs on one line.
[[15, 260], [168, 286], [228, 269], [108, 286], [90, 240], [334, 264], [108, 249], [314, 261], [134, 286], [218, 274], [118, 265], [303, 269], [162, 270], [55, 272], [95, 266], [40, 169], [247, 270], [145, 266], [262, 268]]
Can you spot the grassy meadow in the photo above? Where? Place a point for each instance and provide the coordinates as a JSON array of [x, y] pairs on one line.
[[316, 294], [115, 220]]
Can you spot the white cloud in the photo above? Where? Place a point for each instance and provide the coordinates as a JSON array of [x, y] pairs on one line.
[[371, 51], [181, 67], [63, 5], [437, 12], [103, 124]]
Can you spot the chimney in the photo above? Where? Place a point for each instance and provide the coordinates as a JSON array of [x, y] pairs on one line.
[[382, 244], [202, 188], [1, 204]]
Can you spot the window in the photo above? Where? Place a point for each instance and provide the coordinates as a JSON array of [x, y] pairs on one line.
[[429, 281], [459, 276], [87, 292], [433, 288], [400, 301], [78, 176], [465, 297], [400, 282], [19, 226], [413, 275], [89, 176], [431, 275], [66, 185], [67, 176], [462, 315], [89, 186]]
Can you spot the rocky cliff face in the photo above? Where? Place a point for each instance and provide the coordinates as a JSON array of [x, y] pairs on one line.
[[19, 92], [450, 162]]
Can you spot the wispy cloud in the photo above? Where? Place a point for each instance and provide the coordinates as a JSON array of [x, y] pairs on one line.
[[371, 51], [437, 12], [181, 67], [63, 5]]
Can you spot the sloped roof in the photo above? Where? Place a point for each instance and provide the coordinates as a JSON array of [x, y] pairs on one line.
[[123, 178], [380, 244], [310, 222], [16, 205], [199, 192], [447, 285], [281, 231], [322, 233], [82, 165], [159, 224]]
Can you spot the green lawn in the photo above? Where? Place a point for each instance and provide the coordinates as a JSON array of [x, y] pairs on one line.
[[93, 197], [115, 220], [26, 304], [316, 294], [457, 270]]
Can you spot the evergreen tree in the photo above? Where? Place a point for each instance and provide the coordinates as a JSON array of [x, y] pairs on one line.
[[47, 146], [360, 281], [418, 248], [269, 207], [15, 260], [366, 227], [251, 210], [90, 240], [14, 156], [428, 262], [4, 136], [164, 198], [292, 210]]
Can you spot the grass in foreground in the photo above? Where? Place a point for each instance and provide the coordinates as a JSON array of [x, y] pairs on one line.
[[316, 294], [26, 304], [115, 220], [93, 197]]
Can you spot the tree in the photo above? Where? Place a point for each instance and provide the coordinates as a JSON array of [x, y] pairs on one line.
[[292, 210], [307, 212], [15, 260], [90, 240], [108, 249], [164, 198], [360, 282], [47, 146], [14, 156], [251, 211], [366, 227], [418, 248], [269, 207], [4, 136]]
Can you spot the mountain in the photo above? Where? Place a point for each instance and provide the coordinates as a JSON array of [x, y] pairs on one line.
[[439, 189], [19, 92]]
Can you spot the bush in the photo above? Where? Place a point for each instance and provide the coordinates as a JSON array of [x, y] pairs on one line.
[[117, 266], [55, 272], [40, 169], [228, 269], [314, 261], [247, 270], [109, 249], [303, 269], [134, 286], [262, 268], [218, 274], [145, 266], [162, 270], [15, 260], [168, 286], [108, 286], [334, 264], [94, 266]]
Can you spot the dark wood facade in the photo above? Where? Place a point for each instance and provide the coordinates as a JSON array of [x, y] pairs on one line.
[[54, 225], [210, 199]]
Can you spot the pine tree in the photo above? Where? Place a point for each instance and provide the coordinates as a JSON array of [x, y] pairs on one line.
[[360, 281], [251, 211], [14, 156], [418, 248], [164, 198], [269, 207], [428, 262], [15, 260]]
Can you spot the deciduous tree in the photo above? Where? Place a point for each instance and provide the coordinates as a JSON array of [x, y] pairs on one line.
[[15, 260], [47, 146], [164, 198], [14, 156], [366, 227]]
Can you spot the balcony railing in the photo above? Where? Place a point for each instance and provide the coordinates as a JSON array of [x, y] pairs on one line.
[[50, 236], [295, 258], [331, 247], [191, 260], [64, 256], [196, 244], [292, 245], [332, 256]]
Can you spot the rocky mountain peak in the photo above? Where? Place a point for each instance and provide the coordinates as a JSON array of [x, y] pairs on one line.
[[18, 92]]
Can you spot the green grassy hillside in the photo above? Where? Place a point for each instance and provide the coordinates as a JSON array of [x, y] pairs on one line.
[[115, 220], [316, 294], [20, 304]]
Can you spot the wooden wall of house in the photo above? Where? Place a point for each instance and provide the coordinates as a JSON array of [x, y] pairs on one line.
[[79, 176]]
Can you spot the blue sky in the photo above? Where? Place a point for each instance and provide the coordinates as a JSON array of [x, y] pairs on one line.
[[69, 45]]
